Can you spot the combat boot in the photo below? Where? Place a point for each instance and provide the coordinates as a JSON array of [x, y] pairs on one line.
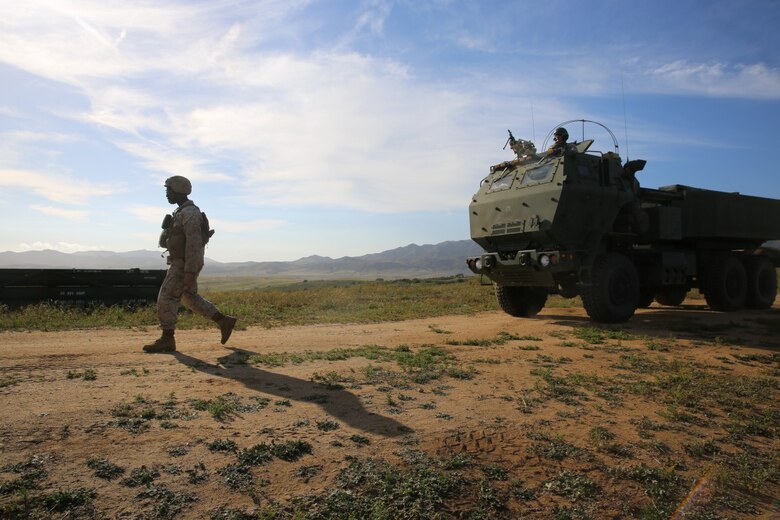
[[165, 343], [226, 324]]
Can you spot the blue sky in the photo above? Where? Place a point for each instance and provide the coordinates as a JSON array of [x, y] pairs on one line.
[[350, 127]]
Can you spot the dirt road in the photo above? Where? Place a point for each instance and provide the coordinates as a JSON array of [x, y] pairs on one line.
[[546, 416]]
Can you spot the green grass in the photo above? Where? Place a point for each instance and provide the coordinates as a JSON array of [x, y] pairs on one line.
[[500, 339], [105, 469], [420, 366], [89, 374], [272, 306], [221, 409], [598, 335], [291, 451], [375, 489], [327, 425], [573, 485], [552, 447]]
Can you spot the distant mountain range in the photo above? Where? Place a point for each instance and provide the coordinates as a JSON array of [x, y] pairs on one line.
[[443, 259]]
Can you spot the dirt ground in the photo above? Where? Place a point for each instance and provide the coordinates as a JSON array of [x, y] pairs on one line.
[[74, 403]]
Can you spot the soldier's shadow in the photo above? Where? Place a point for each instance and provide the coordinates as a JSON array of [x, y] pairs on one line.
[[339, 403]]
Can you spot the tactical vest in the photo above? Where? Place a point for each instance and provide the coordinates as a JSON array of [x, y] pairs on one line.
[[173, 238]]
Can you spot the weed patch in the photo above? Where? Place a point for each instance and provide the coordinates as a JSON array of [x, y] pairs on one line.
[[573, 485], [88, 374], [499, 339], [327, 425], [552, 447], [142, 476], [360, 440], [256, 455], [105, 469], [166, 503], [750, 469], [197, 475], [291, 450], [222, 445], [599, 336], [661, 484], [236, 476], [438, 330]]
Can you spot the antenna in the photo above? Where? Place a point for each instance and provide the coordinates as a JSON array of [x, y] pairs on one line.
[[533, 123], [625, 119]]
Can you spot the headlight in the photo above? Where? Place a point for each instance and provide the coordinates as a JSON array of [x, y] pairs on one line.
[[478, 264], [544, 260], [489, 262]]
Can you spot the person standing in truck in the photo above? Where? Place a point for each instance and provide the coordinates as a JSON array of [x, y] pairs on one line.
[[185, 234], [560, 137]]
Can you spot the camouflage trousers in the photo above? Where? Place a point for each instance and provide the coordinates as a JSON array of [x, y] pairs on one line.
[[172, 294]]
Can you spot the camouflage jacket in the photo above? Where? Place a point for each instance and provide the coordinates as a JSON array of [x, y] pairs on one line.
[[185, 237]]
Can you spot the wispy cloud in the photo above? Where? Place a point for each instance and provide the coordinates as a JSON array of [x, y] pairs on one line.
[[373, 16], [56, 188], [70, 214], [756, 80], [191, 162], [9, 112]]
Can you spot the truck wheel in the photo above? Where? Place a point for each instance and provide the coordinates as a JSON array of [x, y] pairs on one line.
[[613, 294], [761, 282], [521, 302], [725, 284], [672, 296]]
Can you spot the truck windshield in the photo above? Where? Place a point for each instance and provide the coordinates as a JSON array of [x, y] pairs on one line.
[[543, 173], [503, 180]]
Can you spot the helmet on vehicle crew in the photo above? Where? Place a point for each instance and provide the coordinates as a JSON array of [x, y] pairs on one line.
[[563, 133], [179, 184]]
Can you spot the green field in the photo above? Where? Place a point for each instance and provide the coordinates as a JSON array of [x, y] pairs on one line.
[[268, 303], [274, 302]]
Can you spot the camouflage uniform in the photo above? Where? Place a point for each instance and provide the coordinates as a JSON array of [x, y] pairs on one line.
[[560, 147], [186, 251], [185, 234]]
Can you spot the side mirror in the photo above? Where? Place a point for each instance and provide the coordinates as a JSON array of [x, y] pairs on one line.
[[637, 165]]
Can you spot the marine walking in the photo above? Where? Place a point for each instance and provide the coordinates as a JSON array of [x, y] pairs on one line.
[[185, 234]]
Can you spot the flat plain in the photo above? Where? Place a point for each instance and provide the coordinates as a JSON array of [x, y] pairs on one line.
[[479, 415]]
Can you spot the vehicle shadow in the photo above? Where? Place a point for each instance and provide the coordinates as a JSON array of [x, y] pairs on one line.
[[338, 403], [750, 328]]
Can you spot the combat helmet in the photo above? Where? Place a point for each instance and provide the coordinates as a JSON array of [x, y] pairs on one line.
[[563, 133], [179, 184]]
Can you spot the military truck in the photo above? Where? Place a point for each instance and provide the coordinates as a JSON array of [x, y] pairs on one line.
[[572, 221]]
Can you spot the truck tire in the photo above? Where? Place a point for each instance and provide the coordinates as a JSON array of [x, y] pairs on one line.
[[761, 282], [613, 293], [672, 296], [521, 302], [725, 284]]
